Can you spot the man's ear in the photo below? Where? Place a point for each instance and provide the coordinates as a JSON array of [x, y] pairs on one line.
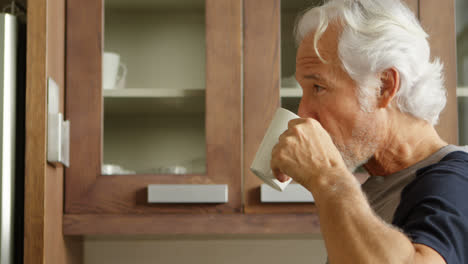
[[390, 79]]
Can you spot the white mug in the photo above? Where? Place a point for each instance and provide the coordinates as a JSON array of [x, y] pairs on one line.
[[261, 164], [110, 69]]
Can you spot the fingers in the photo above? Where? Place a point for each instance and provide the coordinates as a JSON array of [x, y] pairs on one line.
[[297, 121], [274, 161], [294, 122], [282, 162], [282, 136], [280, 176], [291, 125]]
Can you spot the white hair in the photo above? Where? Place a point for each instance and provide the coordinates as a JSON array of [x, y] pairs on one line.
[[378, 35]]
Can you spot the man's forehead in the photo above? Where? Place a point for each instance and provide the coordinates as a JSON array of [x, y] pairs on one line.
[[308, 58], [327, 45]]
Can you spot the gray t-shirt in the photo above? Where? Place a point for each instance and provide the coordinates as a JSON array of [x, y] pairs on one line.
[[383, 193]]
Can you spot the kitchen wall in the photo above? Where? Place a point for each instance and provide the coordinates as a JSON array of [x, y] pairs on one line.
[[205, 249]]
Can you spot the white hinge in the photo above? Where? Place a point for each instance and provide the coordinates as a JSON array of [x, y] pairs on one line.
[[58, 130]]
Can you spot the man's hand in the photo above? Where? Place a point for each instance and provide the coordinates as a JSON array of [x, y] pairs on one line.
[[306, 153]]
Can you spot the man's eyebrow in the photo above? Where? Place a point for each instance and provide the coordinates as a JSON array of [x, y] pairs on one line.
[[313, 76]]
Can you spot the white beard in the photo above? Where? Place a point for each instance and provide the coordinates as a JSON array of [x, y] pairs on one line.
[[362, 147]]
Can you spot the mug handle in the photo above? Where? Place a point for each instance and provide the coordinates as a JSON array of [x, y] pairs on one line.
[[121, 77]]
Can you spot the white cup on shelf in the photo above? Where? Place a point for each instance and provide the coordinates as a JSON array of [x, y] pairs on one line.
[[111, 79]]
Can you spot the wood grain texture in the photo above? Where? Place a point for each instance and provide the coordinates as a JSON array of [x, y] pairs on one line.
[[128, 195], [58, 249], [438, 19], [191, 224], [89, 192], [83, 100], [44, 239], [35, 159], [224, 96], [261, 94]]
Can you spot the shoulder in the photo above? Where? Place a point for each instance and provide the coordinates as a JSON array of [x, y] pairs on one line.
[[447, 178], [445, 182], [454, 162], [433, 209]]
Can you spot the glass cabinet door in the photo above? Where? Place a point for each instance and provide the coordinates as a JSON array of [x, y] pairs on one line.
[[290, 90], [154, 98], [269, 83], [154, 70]]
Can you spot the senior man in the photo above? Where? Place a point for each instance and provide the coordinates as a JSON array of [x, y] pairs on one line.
[[371, 97]]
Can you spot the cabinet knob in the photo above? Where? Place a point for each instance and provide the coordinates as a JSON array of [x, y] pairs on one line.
[[187, 193]]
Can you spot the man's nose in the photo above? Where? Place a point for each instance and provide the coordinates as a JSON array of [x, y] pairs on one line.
[[302, 108], [305, 109], [300, 111]]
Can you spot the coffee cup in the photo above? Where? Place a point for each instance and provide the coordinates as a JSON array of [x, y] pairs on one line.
[[261, 163], [110, 71]]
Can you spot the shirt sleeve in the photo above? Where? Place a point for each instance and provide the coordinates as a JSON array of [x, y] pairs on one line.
[[434, 208], [435, 223]]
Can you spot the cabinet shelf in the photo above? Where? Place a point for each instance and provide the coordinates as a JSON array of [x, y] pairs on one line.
[[133, 101], [152, 101], [290, 98], [287, 92], [152, 93]]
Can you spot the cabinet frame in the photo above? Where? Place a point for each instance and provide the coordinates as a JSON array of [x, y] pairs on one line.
[[89, 192], [261, 82]]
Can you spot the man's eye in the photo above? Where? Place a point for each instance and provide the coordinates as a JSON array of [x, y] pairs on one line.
[[318, 88]]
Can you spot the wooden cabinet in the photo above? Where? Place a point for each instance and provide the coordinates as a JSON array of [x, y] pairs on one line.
[[87, 191], [249, 55]]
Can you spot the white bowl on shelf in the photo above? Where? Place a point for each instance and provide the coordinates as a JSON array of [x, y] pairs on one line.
[[113, 169]]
